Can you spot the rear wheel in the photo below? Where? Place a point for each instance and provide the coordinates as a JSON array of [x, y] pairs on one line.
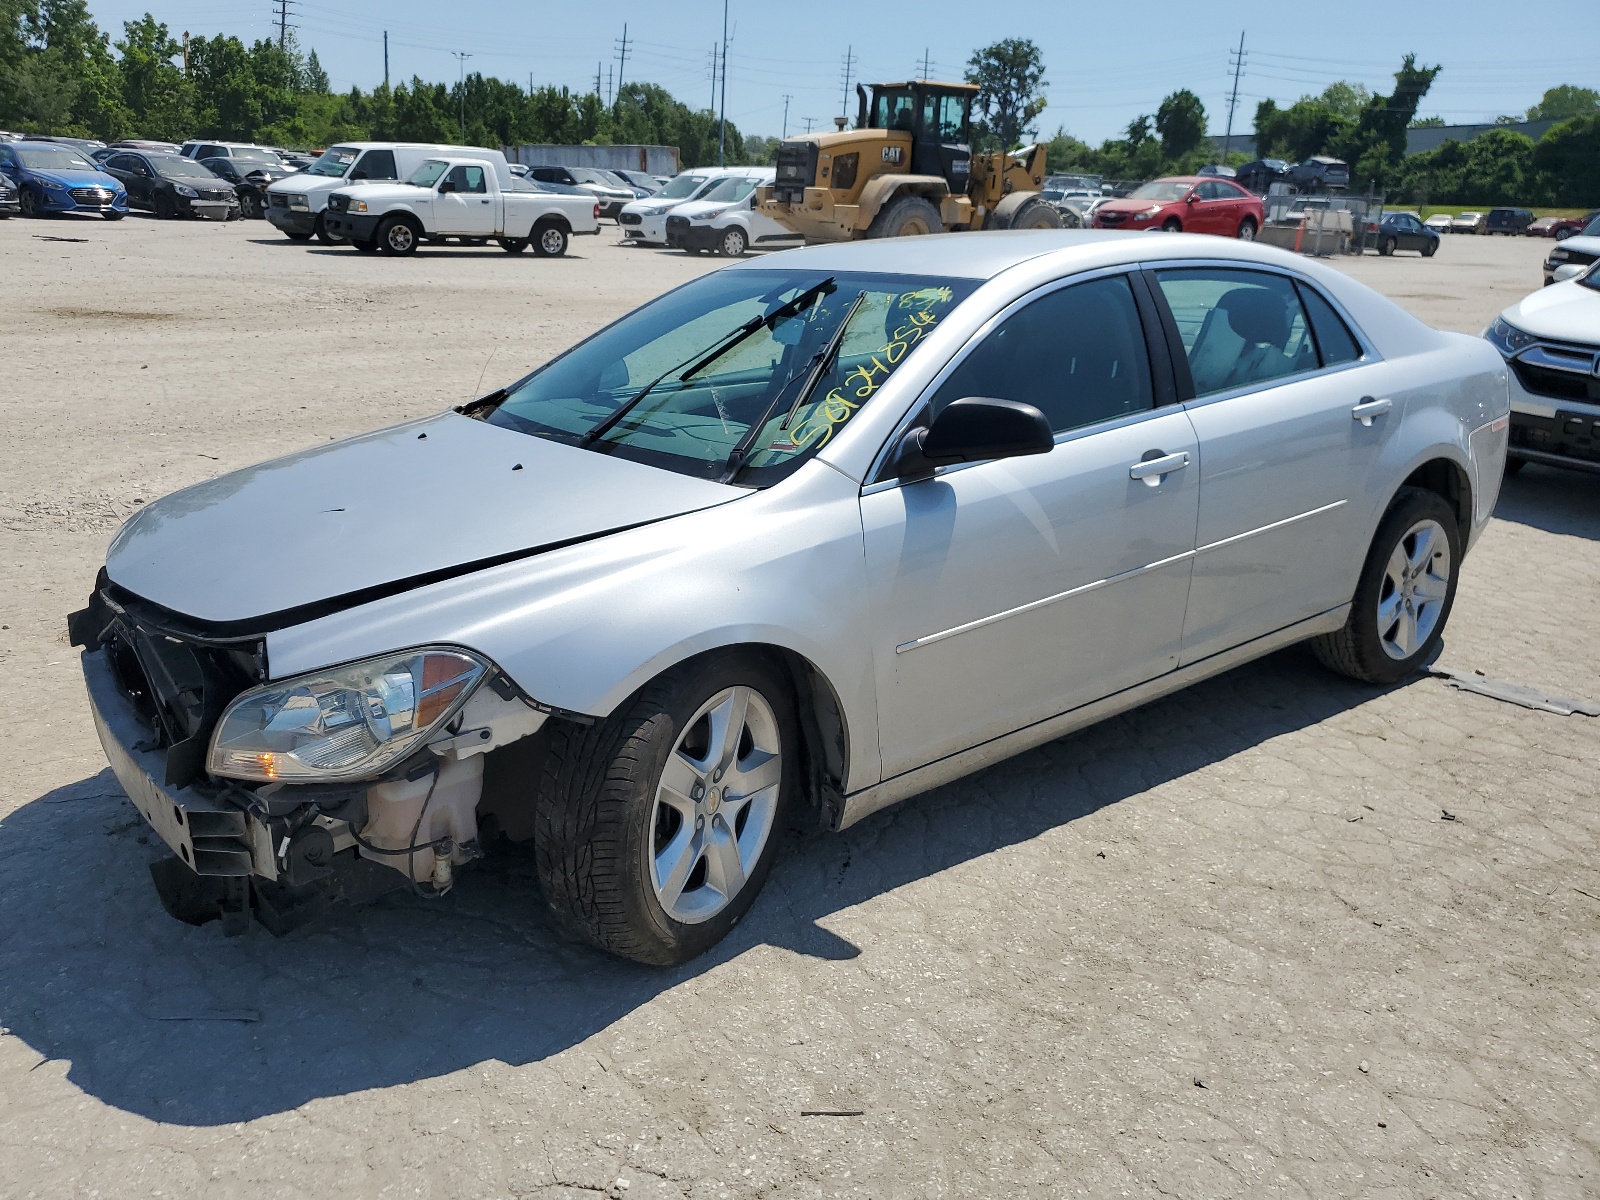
[[1387, 247], [655, 828], [323, 236], [1247, 229], [549, 240], [909, 216], [733, 243], [1403, 598], [396, 235]]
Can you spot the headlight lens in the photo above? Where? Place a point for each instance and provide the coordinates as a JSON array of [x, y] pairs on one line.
[[358, 206], [345, 723], [1507, 338], [184, 190], [53, 185], [712, 213], [300, 203]]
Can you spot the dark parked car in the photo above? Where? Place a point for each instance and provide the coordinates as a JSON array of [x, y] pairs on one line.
[[1258, 176], [1402, 231], [249, 179], [1320, 173], [1509, 221], [170, 185], [9, 199]]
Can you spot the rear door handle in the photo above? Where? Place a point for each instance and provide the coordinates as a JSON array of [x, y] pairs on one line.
[[1152, 469], [1369, 408]]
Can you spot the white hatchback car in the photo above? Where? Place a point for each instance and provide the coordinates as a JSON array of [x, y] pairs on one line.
[[644, 222], [808, 535], [726, 221]]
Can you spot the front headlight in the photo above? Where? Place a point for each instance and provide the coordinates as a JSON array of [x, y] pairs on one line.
[[1558, 255], [357, 206], [712, 213], [299, 202], [348, 722], [53, 186], [1507, 338], [184, 190]]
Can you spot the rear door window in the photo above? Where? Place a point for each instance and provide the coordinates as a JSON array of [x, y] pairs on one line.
[[1238, 327], [1077, 354]]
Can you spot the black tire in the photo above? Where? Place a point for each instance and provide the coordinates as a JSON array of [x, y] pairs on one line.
[[320, 229], [595, 819], [550, 239], [29, 200], [165, 208], [396, 235], [1172, 225], [474, 241], [250, 206], [1387, 247], [1247, 230], [295, 235], [733, 243], [513, 245], [1357, 650], [1563, 234], [1514, 464], [112, 214], [370, 247], [1428, 250], [1037, 213], [909, 216]]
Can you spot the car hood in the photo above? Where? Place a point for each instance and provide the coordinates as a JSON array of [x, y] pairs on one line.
[[382, 192], [77, 179], [1562, 312], [1129, 205], [697, 210], [651, 208], [1583, 245], [379, 513]]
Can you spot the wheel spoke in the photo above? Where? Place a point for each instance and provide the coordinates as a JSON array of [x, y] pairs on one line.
[[678, 780], [1431, 588], [755, 773], [1389, 612], [1421, 547], [727, 727], [724, 867], [676, 862], [1405, 634], [1398, 562]]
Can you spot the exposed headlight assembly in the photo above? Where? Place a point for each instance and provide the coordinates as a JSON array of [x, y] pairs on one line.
[[1507, 338], [347, 722], [185, 190]]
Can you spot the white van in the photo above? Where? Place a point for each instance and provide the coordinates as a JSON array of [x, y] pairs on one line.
[[644, 222], [726, 220], [295, 204]]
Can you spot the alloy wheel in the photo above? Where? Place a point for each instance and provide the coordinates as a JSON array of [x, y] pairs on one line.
[[552, 241], [715, 804], [401, 237], [1416, 584]]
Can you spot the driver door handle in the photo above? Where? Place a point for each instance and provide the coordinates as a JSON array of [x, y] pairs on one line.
[[1369, 408], [1152, 469]]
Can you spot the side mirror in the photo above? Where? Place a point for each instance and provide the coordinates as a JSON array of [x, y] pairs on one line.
[[446, 185], [973, 429], [1191, 197]]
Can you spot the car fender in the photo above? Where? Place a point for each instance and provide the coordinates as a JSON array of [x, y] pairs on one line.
[[583, 627]]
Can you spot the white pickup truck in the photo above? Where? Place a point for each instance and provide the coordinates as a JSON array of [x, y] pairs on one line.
[[459, 198]]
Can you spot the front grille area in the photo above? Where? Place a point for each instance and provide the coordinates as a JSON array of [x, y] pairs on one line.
[[92, 196], [214, 193], [1557, 384], [1109, 218], [1565, 257], [677, 230], [796, 171], [629, 218], [1571, 435]]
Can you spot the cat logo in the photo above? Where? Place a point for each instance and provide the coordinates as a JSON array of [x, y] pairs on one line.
[[894, 154]]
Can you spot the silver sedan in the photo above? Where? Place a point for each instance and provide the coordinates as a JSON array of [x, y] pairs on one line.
[[800, 539]]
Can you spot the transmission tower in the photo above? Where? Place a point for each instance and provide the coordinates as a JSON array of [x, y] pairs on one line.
[[283, 23]]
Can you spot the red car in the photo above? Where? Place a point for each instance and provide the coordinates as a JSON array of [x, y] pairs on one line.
[[1564, 227], [1186, 203]]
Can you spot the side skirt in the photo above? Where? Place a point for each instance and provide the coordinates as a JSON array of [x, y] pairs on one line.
[[902, 787]]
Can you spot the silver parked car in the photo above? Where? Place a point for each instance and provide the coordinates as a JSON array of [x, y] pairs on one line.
[[806, 536]]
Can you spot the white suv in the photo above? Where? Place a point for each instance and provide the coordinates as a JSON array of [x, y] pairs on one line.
[[725, 220], [644, 222]]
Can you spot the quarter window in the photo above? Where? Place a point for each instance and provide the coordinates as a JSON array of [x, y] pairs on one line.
[[1238, 327], [1334, 339], [1077, 355]]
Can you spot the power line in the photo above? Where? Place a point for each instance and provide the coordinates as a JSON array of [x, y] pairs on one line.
[[1236, 62]]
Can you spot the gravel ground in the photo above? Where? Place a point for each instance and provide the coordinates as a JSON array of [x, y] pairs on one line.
[[1281, 935]]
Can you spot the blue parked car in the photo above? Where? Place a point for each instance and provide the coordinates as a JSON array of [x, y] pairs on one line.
[[53, 178]]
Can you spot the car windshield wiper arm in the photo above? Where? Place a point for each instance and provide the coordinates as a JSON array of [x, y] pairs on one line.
[[821, 361], [700, 362]]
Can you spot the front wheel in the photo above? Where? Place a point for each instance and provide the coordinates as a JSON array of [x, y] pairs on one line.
[[1247, 230], [549, 241], [396, 235], [365, 247], [249, 207], [733, 244], [1404, 596], [655, 828], [165, 209], [1427, 251], [909, 216], [1172, 225], [323, 236]]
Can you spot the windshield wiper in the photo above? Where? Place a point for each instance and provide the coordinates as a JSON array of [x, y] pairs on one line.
[[821, 363], [700, 362]]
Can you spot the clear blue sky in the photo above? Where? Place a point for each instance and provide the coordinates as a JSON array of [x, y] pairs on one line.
[[1105, 63]]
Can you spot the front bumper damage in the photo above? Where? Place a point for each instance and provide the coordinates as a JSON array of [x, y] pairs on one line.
[[282, 853]]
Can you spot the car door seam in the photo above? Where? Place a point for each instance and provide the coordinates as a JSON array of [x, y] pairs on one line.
[[1081, 589]]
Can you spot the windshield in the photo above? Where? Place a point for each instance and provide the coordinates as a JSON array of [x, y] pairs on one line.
[[53, 158], [1592, 229], [174, 167], [334, 163], [1163, 189], [893, 109], [731, 189], [428, 173], [692, 426], [248, 154], [681, 187], [589, 175]]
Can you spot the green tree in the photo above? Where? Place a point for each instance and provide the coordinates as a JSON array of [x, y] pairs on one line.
[[153, 87], [1563, 102], [315, 78], [1010, 79], [1567, 162], [1181, 123]]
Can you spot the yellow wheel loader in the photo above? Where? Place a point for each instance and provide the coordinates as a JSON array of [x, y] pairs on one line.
[[906, 168]]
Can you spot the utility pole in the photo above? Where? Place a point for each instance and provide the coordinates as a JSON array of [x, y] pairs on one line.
[[1236, 61], [283, 24], [712, 107], [786, 99], [598, 94], [926, 62], [810, 121], [622, 61], [849, 65], [722, 114], [462, 90], [185, 51], [609, 90], [385, 60]]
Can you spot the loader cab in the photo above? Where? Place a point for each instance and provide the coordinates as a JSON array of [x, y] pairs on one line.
[[938, 116]]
